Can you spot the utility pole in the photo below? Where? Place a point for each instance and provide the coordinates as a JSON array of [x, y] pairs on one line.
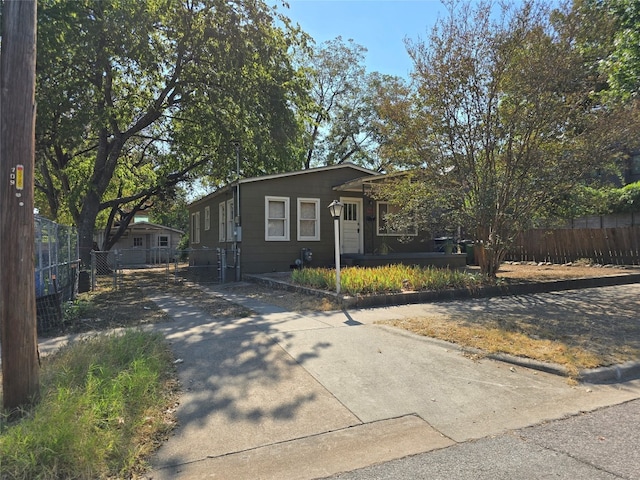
[[18, 325]]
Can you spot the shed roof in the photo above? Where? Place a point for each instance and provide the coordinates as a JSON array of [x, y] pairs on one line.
[[151, 227]]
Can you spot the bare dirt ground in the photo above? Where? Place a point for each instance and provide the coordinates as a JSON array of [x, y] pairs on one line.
[[540, 272]]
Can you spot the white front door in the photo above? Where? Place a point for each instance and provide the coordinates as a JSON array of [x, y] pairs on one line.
[[351, 227]]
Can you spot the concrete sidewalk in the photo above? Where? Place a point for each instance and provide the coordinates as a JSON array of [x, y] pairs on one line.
[[283, 395]]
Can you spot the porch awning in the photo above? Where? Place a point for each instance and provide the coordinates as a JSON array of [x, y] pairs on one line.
[[360, 184]]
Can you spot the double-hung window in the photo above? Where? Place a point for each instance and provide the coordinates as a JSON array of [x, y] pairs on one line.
[[222, 221], [308, 219], [195, 227], [276, 219], [207, 218]]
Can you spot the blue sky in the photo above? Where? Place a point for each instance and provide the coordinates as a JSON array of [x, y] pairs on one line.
[[378, 25]]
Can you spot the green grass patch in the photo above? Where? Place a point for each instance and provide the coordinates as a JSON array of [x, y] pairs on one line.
[[387, 279], [102, 411]]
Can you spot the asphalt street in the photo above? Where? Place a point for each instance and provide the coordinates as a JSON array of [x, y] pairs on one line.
[[599, 445]]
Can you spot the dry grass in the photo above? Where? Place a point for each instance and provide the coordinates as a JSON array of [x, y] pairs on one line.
[[495, 335], [578, 341]]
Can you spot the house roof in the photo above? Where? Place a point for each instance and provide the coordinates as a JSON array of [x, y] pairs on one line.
[[358, 184], [353, 166], [152, 227]]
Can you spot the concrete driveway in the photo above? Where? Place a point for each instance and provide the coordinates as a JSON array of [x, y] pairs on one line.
[[288, 395]]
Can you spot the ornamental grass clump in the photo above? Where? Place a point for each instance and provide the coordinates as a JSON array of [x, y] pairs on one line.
[[321, 278], [386, 279]]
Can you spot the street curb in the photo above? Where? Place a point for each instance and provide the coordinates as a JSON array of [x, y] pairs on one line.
[[601, 375]]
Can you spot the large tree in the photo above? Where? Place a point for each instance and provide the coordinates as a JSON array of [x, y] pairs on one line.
[[335, 72], [500, 122], [135, 97], [342, 120]]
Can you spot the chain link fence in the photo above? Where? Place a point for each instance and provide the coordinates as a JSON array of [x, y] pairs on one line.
[[188, 265], [58, 278], [57, 263], [204, 265]]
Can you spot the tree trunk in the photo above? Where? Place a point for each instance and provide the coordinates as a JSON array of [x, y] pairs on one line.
[[18, 324], [489, 259], [86, 228]]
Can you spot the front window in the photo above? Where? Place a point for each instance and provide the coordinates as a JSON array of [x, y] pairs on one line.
[[386, 227], [163, 241], [276, 213], [137, 241], [308, 219]]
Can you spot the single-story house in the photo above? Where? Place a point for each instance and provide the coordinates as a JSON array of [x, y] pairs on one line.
[[145, 243], [277, 222]]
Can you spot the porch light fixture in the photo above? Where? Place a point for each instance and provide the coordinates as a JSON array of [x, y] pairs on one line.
[[335, 209]]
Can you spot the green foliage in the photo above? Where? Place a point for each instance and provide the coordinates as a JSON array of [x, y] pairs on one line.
[[321, 278], [387, 279], [99, 396], [622, 65], [343, 117], [170, 209], [600, 201], [82, 307], [501, 126], [135, 97], [625, 199]]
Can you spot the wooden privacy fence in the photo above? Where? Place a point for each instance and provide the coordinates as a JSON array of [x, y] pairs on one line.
[[618, 246]]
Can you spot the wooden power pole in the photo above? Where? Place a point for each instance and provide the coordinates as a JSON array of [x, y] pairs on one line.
[[18, 325]]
